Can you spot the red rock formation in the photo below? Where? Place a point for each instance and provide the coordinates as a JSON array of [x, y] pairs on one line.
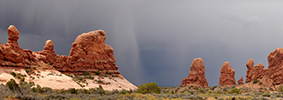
[[255, 73], [227, 75], [197, 74], [48, 55], [89, 53], [241, 81], [250, 65], [11, 54], [275, 69]]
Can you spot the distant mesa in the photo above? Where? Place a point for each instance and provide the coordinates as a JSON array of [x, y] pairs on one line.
[[227, 76], [196, 76]]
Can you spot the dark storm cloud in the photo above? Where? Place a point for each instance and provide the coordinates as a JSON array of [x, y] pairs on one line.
[[155, 41]]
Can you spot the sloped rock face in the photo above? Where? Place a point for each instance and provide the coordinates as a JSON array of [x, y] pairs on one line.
[[197, 74], [241, 81], [11, 55], [89, 53], [255, 73], [227, 75], [275, 67]]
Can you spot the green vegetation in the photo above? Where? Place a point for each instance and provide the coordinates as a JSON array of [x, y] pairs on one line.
[[13, 85], [255, 81], [280, 89], [235, 90], [97, 72], [149, 88], [13, 74]]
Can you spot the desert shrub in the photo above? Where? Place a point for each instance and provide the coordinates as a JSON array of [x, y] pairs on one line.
[[235, 90], [260, 77], [260, 83], [73, 91], [37, 89], [123, 91], [100, 81], [47, 90], [109, 73], [280, 89], [13, 86], [255, 81], [13, 74], [271, 89], [212, 88], [149, 88], [28, 71], [200, 90], [177, 89], [85, 73], [22, 80], [97, 72]]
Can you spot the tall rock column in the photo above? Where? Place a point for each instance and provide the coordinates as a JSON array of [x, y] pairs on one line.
[[227, 75], [11, 54], [197, 74]]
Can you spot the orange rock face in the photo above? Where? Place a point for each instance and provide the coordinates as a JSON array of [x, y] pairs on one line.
[[241, 81], [89, 53], [275, 69], [255, 73], [197, 74], [227, 75]]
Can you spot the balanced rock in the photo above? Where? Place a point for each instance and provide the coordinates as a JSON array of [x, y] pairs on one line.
[[241, 81], [227, 75], [197, 74]]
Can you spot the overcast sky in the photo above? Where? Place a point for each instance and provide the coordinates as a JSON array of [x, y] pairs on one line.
[[155, 40]]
